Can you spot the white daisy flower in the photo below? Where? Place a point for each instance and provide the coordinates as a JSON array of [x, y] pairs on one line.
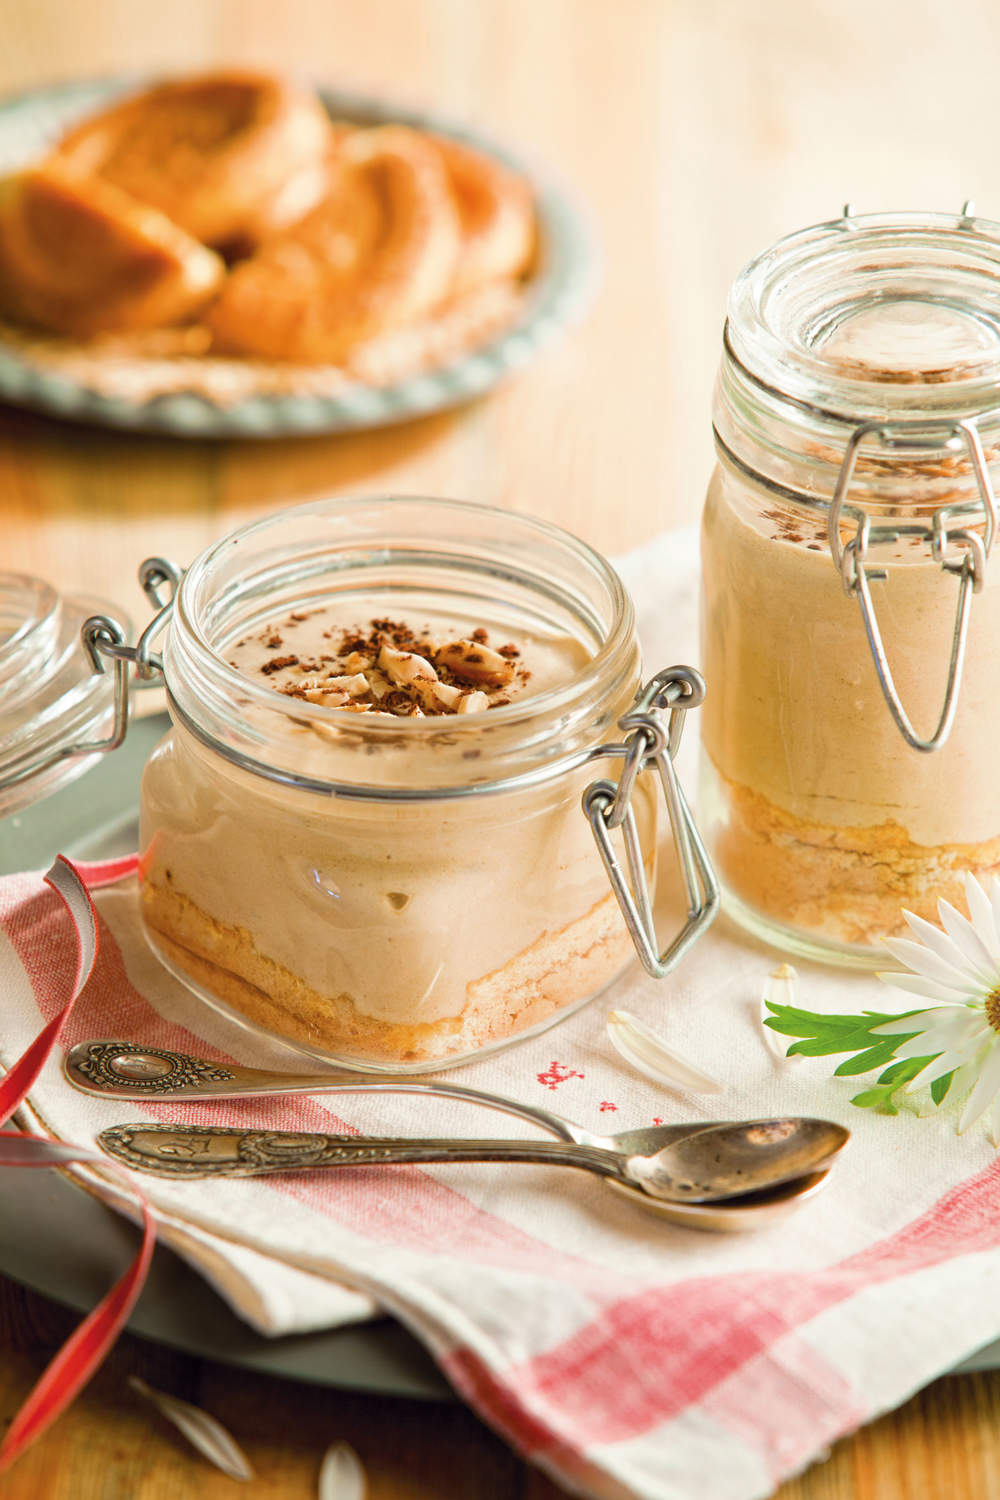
[[957, 967]]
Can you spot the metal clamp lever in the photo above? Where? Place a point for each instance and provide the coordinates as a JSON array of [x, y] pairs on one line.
[[970, 568], [102, 637], [608, 806]]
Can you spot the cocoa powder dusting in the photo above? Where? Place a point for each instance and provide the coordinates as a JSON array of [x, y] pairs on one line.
[[277, 663]]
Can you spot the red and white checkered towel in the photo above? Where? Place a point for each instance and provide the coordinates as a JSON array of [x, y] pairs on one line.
[[629, 1357]]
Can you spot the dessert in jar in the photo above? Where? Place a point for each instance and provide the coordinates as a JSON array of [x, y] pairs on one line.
[[364, 832], [851, 609]]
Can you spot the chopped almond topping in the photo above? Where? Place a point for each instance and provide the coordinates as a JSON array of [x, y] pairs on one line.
[[404, 667], [355, 685], [437, 697], [325, 696], [473, 703], [378, 684], [476, 663], [390, 668]]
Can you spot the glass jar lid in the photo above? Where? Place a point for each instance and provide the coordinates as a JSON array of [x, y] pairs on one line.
[[887, 321], [54, 705]]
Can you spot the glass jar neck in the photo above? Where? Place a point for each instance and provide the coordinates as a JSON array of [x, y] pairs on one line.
[[887, 323], [484, 564]]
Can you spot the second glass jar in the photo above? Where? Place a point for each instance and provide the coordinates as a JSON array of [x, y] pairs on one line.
[[851, 611]]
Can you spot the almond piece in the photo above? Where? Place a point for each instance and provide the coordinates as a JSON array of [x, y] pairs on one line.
[[355, 685], [438, 697], [476, 663], [378, 684], [405, 667], [473, 703], [325, 696]]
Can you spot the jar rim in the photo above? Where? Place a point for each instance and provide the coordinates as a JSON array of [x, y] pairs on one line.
[[794, 305], [191, 648], [877, 336]]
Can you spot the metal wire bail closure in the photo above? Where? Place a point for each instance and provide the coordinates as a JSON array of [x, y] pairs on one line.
[[103, 638], [608, 805], [969, 565]]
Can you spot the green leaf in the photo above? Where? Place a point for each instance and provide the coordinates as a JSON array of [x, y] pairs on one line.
[[823, 1047], [905, 1069], [879, 1098], [875, 1057], [821, 1035], [941, 1085], [881, 1095]]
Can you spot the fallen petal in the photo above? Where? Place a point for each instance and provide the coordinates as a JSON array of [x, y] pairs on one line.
[[780, 988], [640, 1046], [202, 1431], [341, 1476]]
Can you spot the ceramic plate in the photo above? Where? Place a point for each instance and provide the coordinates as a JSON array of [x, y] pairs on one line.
[[31, 122]]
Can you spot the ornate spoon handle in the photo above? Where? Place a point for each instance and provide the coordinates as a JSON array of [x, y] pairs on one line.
[[125, 1070], [181, 1151]]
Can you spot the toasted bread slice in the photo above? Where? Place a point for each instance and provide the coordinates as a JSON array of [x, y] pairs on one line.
[[231, 157], [496, 214], [379, 251], [81, 258]]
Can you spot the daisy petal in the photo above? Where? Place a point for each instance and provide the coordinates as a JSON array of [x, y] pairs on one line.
[[983, 1094], [918, 1021], [649, 1054], [965, 1077], [981, 912], [944, 946], [964, 1034], [948, 1062], [994, 1131], [928, 989], [994, 895], [962, 932], [924, 961]]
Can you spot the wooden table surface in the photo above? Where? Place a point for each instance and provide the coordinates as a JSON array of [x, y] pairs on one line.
[[694, 132]]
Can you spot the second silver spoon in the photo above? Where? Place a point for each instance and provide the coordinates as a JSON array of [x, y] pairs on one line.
[[721, 1162]]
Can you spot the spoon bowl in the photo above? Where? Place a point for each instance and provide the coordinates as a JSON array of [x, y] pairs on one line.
[[731, 1215], [730, 1161]]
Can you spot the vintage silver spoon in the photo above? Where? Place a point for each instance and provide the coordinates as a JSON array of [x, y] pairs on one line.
[[125, 1070], [722, 1161]]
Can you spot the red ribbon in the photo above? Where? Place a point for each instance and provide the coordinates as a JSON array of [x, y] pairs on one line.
[[85, 1349]]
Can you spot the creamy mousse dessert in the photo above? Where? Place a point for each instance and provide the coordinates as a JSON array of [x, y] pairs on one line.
[[386, 932], [823, 817]]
